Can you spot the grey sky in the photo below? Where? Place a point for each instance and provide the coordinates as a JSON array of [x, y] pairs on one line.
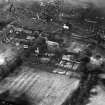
[[98, 3]]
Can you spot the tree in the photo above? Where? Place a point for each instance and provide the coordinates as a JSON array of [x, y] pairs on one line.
[[50, 12], [35, 8]]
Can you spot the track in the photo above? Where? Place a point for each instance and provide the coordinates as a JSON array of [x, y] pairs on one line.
[[83, 38]]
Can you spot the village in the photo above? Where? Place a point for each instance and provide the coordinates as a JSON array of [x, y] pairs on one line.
[[51, 53]]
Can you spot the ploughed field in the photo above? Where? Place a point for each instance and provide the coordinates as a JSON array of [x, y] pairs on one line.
[[42, 88]]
